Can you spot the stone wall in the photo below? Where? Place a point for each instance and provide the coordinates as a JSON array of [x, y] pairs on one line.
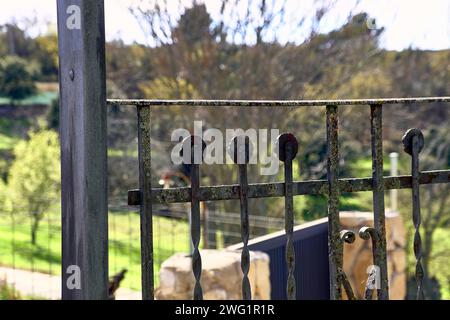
[[221, 276], [358, 255]]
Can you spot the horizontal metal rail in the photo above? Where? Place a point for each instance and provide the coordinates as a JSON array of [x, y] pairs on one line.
[[268, 190], [274, 103]]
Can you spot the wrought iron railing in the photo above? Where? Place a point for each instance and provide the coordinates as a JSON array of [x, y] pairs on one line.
[[332, 187]]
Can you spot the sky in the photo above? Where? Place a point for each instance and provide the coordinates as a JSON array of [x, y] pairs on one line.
[[408, 23]]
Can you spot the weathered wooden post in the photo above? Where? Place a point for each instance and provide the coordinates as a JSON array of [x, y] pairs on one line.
[[81, 36]]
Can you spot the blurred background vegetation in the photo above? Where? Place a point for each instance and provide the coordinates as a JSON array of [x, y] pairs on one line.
[[194, 56]]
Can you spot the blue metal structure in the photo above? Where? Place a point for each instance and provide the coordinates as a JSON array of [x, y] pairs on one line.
[[311, 268]]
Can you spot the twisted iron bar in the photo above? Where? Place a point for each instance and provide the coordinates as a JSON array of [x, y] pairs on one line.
[[413, 143], [193, 143], [287, 148], [240, 151]]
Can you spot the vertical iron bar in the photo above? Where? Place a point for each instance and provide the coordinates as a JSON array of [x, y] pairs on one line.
[[335, 247], [416, 216], [289, 223], [376, 121], [239, 150], [413, 142], [287, 150], [195, 217], [245, 257], [145, 176]]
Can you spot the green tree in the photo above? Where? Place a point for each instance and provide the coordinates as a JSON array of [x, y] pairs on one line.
[[15, 40], [168, 88], [34, 177], [46, 54], [16, 78]]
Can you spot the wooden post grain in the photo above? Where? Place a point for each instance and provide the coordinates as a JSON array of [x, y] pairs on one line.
[[81, 36]]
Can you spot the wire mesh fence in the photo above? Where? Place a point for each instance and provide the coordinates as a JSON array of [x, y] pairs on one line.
[[30, 254], [32, 270]]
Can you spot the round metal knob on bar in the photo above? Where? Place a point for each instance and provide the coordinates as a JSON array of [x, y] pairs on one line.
[[347, 236], [407, 140], [193, 143], [281, 147]]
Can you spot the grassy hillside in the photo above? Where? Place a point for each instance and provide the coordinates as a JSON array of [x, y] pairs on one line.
[[169, 236]]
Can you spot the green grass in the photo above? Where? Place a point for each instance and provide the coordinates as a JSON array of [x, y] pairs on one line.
[[170, 236]]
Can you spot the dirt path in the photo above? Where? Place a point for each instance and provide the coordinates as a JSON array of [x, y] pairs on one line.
[[46, 286]]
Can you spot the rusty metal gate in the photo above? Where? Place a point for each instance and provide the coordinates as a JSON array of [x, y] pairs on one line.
[[332, 187]]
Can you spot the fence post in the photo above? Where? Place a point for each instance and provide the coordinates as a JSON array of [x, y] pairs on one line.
[[81, 37]]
